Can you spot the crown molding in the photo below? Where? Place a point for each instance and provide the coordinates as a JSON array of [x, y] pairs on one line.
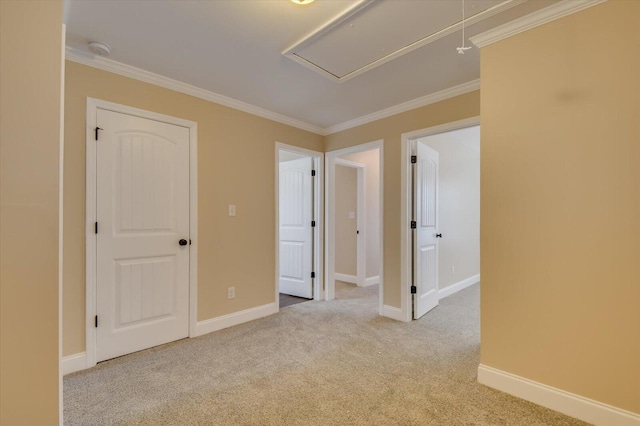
[[109, 65], [442, 95], [115, 67], [535, 19]]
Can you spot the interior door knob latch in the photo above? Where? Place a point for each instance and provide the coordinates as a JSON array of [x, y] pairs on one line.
[[438, 235], [183, 242]]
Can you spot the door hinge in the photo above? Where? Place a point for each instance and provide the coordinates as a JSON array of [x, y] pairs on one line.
[[313, 223], [96, 228], [313, 172], [313, 275], [96, 321], [414, 159], [97, 129], [414, 290], [414, 225]]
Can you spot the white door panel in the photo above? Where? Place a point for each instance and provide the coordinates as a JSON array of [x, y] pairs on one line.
[[295, 212], [425, 241], [142, 212]]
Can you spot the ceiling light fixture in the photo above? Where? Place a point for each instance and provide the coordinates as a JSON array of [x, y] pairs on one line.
[[463, 48], [302, 1], [99, 48]]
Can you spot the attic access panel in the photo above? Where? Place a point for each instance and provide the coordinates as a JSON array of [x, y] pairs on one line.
[[373, 32]]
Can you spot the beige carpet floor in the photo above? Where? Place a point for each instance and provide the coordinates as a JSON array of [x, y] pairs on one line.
[[315, 363]]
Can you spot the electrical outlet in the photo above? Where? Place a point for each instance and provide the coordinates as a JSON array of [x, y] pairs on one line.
[[232, 210], [231, 292], [453, 270]]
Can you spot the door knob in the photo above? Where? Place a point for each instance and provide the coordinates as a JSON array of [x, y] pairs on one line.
[[438, 235], [182, 242]]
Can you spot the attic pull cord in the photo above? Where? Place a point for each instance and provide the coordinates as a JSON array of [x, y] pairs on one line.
[[462, 49]]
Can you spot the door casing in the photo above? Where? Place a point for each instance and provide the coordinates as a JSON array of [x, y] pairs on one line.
[[318, 209], [91, 179], [405, 205], [329, 235]]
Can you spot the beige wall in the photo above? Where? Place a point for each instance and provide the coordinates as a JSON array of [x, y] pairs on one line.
[[560, 204], [390, 130], [235, 166], [371, 161], [458, 203], [346, 194], [30, 95]]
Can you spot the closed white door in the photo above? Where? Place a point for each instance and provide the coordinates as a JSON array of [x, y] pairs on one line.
[[142, 234], [296, 233], [425, 262]]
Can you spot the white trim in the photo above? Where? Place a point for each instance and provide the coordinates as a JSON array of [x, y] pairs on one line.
[[393, 313], [372, 281], [405, 198], [61, 228], [73, 363], [193, 228], [119, 68], [235, 318], [442, 95], [532, 20], [91, 250], [318, 205], [91, 179], [352, 279], [115, 67], [568, 403], [362, 5], [456, 287], [329, 213]]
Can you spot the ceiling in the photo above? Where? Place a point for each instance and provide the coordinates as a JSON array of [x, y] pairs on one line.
[[323, 64]]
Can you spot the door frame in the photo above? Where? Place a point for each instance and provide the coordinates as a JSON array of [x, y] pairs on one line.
[[91, 196], [318, 203], [361, 223], [329, 258], [405, 207]]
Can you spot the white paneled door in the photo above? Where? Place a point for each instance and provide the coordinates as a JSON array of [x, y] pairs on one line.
[[296, 233], [425, 262], [142, 234]]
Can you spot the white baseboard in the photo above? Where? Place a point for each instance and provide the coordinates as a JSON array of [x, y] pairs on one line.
[[393, 313], [567, 403], [229, 320], [460, 285], [73, 363], [372, 281], [346, 278]]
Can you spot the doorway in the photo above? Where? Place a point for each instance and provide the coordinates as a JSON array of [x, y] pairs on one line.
[[141, 229], [440, 211], [354, 201], [350, 231], [298, 224]]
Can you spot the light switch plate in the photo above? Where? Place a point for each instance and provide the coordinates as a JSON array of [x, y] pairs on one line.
[[232, 210]]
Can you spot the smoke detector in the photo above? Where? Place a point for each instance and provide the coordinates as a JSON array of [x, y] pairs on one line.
[[99, 48]]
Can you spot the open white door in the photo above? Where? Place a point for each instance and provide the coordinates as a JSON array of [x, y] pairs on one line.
[[425, 261], [296, 232], [142, 231]]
